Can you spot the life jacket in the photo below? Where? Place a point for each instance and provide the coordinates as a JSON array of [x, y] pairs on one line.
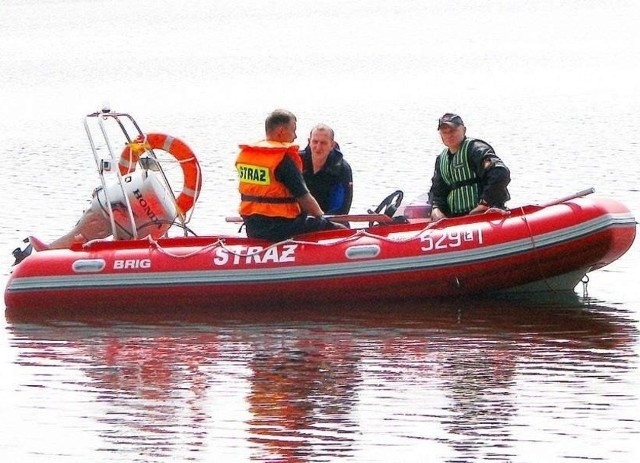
[[260, 191], [462, 180]]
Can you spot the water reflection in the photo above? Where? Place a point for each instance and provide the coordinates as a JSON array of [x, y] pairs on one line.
[[153, 387], [319, 383], [303, 390]]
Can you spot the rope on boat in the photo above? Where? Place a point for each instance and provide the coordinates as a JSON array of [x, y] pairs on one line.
[[156, 245], [585, 284], [533, 247], [257, 250]]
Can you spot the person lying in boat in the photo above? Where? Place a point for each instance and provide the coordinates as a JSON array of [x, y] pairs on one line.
[[327, 174], [469, 178], [275, 202]]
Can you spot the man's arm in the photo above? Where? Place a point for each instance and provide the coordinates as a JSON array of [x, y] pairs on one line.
[[289, 174], [438, 194], [493, 174], [347, 183], [309, 205]]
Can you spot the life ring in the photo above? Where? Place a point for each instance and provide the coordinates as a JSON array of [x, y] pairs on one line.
[[179, 150]]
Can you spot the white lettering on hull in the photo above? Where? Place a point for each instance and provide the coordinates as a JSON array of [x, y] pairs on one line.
[[129, 264], [450, 239], [236, 255]]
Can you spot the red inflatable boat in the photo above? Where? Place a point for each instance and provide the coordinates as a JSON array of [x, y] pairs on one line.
[[531, 248]]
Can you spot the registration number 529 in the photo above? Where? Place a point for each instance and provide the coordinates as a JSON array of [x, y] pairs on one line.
[[450, 239]]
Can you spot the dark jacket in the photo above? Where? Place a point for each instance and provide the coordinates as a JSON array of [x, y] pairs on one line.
[[492, 174], [331, 186]]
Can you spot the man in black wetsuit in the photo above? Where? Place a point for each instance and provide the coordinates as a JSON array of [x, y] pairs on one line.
[[327, 174]]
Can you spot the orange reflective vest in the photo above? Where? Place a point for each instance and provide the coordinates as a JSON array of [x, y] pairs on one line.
[[260, 191]]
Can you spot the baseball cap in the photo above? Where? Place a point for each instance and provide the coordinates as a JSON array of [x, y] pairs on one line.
[[450, 119]]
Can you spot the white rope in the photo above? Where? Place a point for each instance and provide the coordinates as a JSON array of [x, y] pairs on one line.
[[156, 245], [257, 250]]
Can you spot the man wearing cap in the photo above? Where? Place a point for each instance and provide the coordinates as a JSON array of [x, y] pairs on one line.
[[469, 178]]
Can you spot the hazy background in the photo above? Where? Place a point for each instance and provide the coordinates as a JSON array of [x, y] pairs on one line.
[[553, 86]]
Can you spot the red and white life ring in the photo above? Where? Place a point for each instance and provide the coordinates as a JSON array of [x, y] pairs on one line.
[[179, 150]]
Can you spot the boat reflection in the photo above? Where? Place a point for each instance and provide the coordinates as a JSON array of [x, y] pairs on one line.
[[292, 383], [303, 391]]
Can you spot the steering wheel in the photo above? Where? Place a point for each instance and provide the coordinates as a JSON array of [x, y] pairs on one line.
[[389, 205]]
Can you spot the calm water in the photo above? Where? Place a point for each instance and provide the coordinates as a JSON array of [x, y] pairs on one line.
[[551, 85]]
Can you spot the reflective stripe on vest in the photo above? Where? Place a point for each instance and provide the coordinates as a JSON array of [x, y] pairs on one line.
[[463, 182], [260, 191]]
